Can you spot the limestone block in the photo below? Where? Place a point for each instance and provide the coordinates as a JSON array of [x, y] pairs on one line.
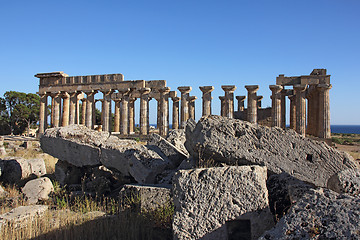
[[242, 143], [177, 138], [149, 197], [346, 181], [38, 189], [132, 159], [2, 148], [75, 144], [210, 201], [175, 155], [15, 169], [19, 215], [319, 214]]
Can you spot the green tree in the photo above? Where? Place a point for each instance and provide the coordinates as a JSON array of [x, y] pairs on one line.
[[22, 109], [4, 118]]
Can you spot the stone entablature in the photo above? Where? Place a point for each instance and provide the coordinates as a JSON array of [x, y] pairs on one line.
[[67, 91]]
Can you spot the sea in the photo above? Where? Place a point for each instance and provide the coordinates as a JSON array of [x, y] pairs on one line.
[[345, 129]]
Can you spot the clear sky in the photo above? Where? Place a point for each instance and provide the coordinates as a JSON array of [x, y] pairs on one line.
[[186, 42]]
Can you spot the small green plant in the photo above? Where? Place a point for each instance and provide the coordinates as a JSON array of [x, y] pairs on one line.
[[137, 139]]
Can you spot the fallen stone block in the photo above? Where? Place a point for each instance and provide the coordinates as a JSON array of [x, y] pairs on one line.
[[16, 169], [2, 148], [148, 197], [175, 155], [242, 143], [38, 190], [75, 144], [319, 214], [346, 181], [19, 215], [177, 138], [221, 203]]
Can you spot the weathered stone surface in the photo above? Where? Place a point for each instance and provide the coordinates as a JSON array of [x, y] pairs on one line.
[[21, 214], [15, 169], [175, 155], [208, 199], [149, 197], [319, 214], [38, 189], [238, 142], [2, 148], [132, 159], [177, 138], [346, 181], [68, 174], [75, 144], [284, 190]]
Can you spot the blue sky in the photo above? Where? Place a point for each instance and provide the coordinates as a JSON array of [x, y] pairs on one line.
[[186, 42]]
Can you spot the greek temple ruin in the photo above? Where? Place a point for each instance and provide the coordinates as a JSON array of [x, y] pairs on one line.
[[308, 95]]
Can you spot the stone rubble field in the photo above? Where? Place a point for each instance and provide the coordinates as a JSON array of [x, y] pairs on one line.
[[227, 179]]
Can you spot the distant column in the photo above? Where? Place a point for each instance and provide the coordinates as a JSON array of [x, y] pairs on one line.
[[124, 111], [90, 103], [83, 111], [229, 100], [222, 107], [241, 101], [144, 99], [73, 102], [163, 128], [206, 104], [300, 109], [258, 101], [283, 108], [324, 110], [117, 116], [77, 111], [184, 104], [66, 109], [131, 114], [192, 107], [106, 111], [276, 105], [52, 110], [43, 113], [175, 119], [292, 112], [252, 100], [57, 102]]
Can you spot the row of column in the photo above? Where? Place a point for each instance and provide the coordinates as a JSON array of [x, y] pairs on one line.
[[318, 108]]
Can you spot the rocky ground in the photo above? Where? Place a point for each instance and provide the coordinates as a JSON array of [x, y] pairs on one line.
[[217, 179]]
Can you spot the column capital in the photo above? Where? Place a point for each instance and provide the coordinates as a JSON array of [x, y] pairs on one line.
[[229, 88], [90, 92], [241, 98], [144, 91], [259, 98], [206, 89], [192, 98], [324, 87], [175, 99], [124, 91], [185, 89], [107, 92], [164, 90], [276, 88], [300, 87], [252, 88], [65, 95], [222, 98]]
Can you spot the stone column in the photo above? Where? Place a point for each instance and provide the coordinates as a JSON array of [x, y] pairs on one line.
[[222, 107], [83, 111], [117, 116], [57, 102], [192, 107], [148, 113], [206, 104], [241, 101], [77, 111], [131, 114], [106, 110], [300, 109], [90, 104], [124, 111], [276, 105], [292, 112], [158, 112], [229, 100], [163, 128], [52, 110], [144, 100], [184, 104], [175, 119], [43, 113], [252, 100], [324, 111], [283, 108], [258, 101], [73, 102], [66, 109]]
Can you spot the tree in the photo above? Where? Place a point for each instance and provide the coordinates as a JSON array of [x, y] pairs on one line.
[[22, 109], [4, 118]]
